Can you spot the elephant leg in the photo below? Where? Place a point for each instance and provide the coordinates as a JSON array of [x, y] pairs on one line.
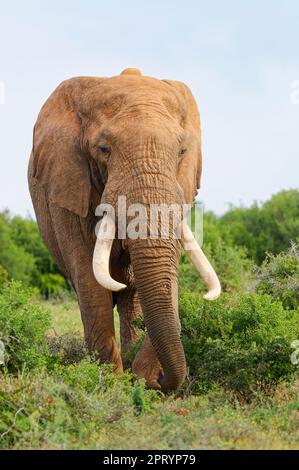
[[96, 306], [75, 240], [129, 309], [146, 364]]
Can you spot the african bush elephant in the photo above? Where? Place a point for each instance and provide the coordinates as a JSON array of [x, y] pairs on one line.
[[96, 139]]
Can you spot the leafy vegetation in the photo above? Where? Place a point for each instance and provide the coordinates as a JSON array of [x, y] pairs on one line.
[[3, 277], [23, 325], [240, 342], [264, 228], [279, 276], [242, 387], [83, 405], [25, 257], [231, 264]]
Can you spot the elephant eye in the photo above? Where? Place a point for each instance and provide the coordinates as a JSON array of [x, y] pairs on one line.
[[183, 151], [104, 149]]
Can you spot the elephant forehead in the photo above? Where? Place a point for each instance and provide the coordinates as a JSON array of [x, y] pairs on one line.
[[130, 90]]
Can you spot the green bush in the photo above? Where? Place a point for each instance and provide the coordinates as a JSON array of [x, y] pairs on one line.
[[86, 375], [240, 342], [262, 228], [18, 263], [25, 257], [279, 276], [68, 347], [23, 324], [69, 406], [3, 276], [51, 285], [25, 233], [230, 264]]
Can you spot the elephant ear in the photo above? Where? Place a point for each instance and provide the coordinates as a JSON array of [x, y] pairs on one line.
[[189, 171], [58, 163]]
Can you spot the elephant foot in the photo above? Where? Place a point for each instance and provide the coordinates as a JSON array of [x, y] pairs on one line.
[[146, 365]]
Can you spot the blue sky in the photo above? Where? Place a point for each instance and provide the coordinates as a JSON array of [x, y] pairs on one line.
[[238, 57]]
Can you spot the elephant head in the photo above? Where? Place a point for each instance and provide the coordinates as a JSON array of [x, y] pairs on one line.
[[139, 137]]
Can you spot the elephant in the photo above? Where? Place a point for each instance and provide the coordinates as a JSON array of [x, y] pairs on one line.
[[94, 140]]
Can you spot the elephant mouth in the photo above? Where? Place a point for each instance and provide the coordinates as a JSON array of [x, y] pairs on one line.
[[102, 251]]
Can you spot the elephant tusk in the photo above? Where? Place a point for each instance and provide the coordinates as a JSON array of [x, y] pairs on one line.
[[201, 263], [101, 255]]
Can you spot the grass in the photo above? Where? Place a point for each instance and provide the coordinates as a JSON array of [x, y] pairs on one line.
[[82, 405], [65, 317]]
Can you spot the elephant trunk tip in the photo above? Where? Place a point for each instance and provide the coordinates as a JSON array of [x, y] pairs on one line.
[[172, 380]]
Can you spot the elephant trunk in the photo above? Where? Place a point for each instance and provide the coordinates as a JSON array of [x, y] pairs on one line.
[[155, 268], [155, 260]]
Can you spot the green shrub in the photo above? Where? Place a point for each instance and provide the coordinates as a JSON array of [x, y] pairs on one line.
[[240, 342], [25, 257], [230, 264], [142, 400], [51, 285], [23, 325], [3, 276], [14, 259], [279, 276], [68, 347], [262, 228], [25, 234], [70, 406], [86, 375]]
